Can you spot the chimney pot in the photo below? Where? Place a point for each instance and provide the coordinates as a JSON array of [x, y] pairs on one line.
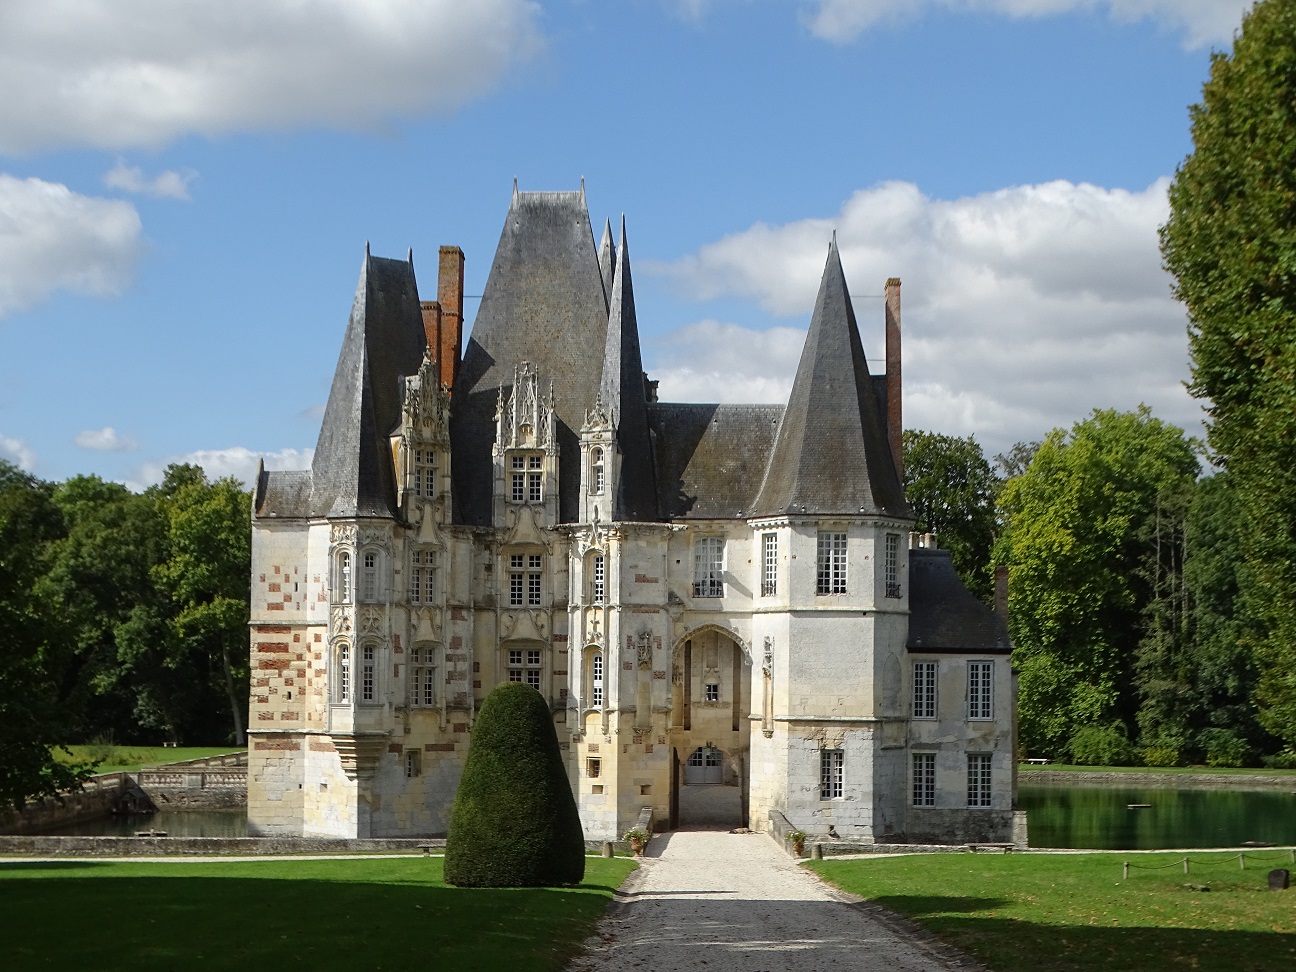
[[450, 279]]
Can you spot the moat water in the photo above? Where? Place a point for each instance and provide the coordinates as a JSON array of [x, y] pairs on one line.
[[1103, 818]]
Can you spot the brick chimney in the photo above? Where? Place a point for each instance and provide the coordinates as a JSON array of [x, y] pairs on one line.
[[450, 280], [895, 421], [432, 326]]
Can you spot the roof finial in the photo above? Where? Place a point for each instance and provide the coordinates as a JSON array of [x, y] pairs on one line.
[[582, 188], [515, 191], [409, 256], [366, 249]]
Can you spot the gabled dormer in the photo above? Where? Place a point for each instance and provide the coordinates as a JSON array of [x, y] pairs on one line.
[[421, 446], [600, 464], [526, 451]]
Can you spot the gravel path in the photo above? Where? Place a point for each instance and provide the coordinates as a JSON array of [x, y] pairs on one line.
[[718, 902]]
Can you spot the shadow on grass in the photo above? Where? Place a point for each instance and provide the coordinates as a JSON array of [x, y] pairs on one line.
[[77, 865], [174, 921], [1005, 943]]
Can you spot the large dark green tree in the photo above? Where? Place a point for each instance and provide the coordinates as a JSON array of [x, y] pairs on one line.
[[1231, 244], [1075, 537], [952, 487], [515, 822]]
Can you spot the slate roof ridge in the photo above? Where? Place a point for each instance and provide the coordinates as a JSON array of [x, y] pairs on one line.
[[832, 455], [622, 392]]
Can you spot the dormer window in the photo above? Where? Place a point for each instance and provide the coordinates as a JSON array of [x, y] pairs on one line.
[[598, 473], [423, 472], [526, 482]]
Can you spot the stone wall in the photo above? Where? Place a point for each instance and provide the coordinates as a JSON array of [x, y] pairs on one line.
[[97, 799], [1164, 781]]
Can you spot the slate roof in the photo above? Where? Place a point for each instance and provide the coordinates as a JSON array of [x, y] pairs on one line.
[[622, 392], [545, 303], [283, 493], [832, 454], [351, 474], [943, 615], [711, 458]]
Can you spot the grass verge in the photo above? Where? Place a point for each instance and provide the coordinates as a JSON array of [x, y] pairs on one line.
[[388, 913], [1064, 912], [128, 759], [1167, 770]]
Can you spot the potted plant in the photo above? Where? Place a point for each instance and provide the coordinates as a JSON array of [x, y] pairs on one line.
[[637, 839], [797, 839]]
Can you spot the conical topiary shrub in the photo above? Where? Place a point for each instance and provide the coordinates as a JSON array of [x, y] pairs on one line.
[[514, 822]]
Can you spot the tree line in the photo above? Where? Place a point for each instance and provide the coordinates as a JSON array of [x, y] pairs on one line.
[[124, 617]]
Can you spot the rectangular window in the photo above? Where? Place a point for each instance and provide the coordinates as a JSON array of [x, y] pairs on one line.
[[369, 579], [596, 680], [516, 580], [519, 487], [533, 487], [712, 692], [769, 568], [924, 690], [525, 666], [413, 764], [708, 567], [344, 674], [830, 774], [978, 779], [980, 690], [367, 671], [533, 580], [831, 574], [424, 463], [891, 564], [924, 779], [593, 767], [598, 586], [422, 679], [423, 577]]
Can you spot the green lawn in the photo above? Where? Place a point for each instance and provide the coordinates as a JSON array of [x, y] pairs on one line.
[[390, 913], [128, 759], [1206, 770], [1064, 912]]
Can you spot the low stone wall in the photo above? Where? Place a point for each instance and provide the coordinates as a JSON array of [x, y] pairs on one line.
[[39, 846], [211, 783], [1162, 781], [98, 798]]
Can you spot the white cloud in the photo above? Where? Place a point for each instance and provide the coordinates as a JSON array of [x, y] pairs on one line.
[[54, 239], [713, 362], [1202, 22], [237, 461], [17, 452], [164, 185], [1023, 309], [119, 73], [106, 439]]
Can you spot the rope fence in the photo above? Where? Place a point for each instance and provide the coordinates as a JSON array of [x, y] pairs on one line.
[[1187, 862]]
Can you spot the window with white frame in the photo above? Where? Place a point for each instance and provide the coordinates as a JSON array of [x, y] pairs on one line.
[[342, 586], [891, 564], [831, 572], [535, 477], [924, 779], [423, 472], [712, 691], [423, 576], [342, 675], [524, 665], [422, 676], [598, 579], [517, 579], [598, 472], [980, 690], [368, 673], [413, 763], [769, 564], [708, 567], [830, 774], [533, 579], [369, 576], [596, 679], [978, 789], [517, 481], [924, 690]]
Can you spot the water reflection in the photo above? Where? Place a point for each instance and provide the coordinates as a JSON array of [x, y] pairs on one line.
[[198, 823], [1101, 818]]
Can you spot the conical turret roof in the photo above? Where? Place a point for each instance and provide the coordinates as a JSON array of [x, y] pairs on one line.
[[832, 456]]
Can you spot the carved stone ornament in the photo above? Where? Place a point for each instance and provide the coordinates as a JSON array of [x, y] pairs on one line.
[[767, 660], [342, 533], [340, 623], [644, 650], [371, 620]]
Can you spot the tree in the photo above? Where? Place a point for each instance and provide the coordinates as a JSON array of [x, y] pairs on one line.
[[952, 489], [1230, 242], [29, 716], [1074, 539], [515, 822]]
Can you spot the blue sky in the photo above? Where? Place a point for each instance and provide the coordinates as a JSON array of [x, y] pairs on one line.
[[186, 191]]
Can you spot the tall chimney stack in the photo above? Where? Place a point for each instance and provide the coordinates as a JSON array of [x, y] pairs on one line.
[[432, 328], [895, 420], [450, 280]]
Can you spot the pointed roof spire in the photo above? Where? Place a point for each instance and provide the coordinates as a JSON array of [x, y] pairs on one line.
[[607, 259], [622, 391], [832, 456]]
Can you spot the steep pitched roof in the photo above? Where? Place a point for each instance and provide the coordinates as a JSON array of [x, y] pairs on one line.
[[832, 455], [944, 616], [607, 259], [351, 473], [710, 458], [622, 392], [544, 303]]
